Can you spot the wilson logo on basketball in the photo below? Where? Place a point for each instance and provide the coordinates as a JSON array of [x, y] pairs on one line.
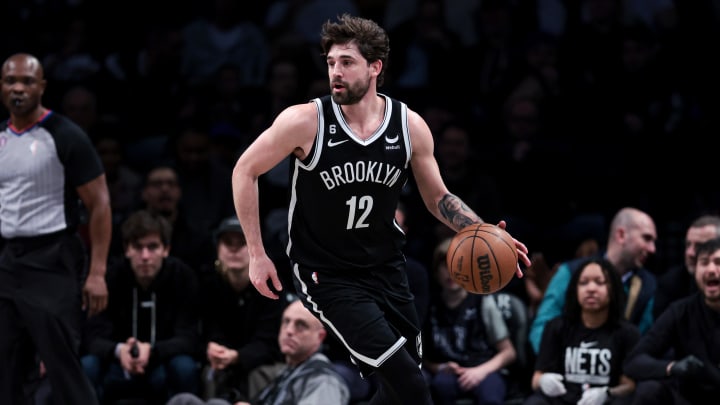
[[484, 272]]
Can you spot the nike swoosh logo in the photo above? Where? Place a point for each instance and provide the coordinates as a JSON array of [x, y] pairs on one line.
[[332, 143], [586, 345], [392, 140]]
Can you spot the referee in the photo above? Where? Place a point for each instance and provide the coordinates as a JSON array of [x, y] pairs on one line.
[[47, 165]]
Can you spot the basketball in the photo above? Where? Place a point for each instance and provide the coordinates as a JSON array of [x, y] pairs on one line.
[[482, 258]]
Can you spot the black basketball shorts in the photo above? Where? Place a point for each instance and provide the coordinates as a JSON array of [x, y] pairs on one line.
[[370, 311]]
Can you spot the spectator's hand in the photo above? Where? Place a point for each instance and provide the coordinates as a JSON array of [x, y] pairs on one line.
[[214, 352], [688, 367], [551, 384], [471, 377], [135, 364], [594, 396], [263, 269], [95, 294], [220, 356], [126, 359], [144, 355]]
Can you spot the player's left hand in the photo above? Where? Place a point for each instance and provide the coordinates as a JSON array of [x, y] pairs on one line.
[[95, 294], [522, 251]]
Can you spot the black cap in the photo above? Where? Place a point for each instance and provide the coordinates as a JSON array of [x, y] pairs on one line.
[[230, 224]]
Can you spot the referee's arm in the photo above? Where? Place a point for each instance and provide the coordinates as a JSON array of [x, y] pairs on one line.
[[96, 199]]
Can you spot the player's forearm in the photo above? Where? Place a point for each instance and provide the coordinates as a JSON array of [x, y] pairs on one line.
[[455, 213], [245, 198]]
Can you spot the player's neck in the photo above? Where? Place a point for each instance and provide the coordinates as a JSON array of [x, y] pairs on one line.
[[365, 116]]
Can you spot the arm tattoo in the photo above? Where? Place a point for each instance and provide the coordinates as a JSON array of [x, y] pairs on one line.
[[456, 212]]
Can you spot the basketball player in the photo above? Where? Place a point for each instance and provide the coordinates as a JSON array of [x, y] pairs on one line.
[[352, 154]]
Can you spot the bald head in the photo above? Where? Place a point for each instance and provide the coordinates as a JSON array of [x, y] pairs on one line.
[[24, 62], [631, 240], [297, 310], [301, 333], [628, 216]]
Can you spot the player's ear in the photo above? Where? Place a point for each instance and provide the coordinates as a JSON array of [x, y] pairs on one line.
[[376, 67]]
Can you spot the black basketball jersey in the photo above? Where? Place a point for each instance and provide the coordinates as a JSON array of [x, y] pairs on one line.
[[345, 192]]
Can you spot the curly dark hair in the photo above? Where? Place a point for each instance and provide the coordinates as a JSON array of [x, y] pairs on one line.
[[616, 292], [371, 39]]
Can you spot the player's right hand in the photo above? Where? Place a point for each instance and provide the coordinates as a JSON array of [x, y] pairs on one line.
[[262, 269], [522, 252]]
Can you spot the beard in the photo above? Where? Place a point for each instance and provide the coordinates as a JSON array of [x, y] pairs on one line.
[[353, 93], [714, 298]]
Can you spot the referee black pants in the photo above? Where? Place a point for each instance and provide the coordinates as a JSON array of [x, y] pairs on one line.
[[40, 308]]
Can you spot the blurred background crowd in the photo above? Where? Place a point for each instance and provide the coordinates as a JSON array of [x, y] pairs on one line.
[[549, 114]]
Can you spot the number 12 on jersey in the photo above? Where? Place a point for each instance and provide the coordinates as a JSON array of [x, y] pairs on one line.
[[358, 211]]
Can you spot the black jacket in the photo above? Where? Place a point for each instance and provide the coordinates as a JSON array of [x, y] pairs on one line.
[[172, 330], [245, 321], [688, 326]]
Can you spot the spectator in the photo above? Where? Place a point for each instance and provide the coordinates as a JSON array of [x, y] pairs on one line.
[[679, 281], [144, 344], [240, 327], [538, 274], [73, 59], [140, 73], [308, 379], [689, 328], [161, 194], [467, 342], [630, 242], [299, 19], [421, 44], [80, 104], [124, 183], [223, 37], [206, 198], [582, 351]]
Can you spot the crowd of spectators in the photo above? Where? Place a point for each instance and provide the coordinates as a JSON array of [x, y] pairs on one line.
[[557, 99], [549, 114]]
